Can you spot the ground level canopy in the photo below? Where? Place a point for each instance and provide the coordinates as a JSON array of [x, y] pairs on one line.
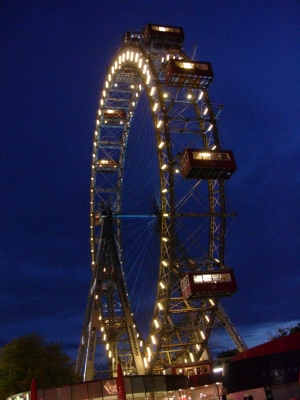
[[156, 387]]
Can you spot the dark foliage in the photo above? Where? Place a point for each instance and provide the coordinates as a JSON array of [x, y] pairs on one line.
[[228, 353], [32, 357], [285, 331]]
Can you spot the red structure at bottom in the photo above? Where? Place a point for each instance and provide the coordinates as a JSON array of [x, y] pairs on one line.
[[268, 371]]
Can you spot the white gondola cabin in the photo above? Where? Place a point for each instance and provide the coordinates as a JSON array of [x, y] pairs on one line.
[[163, 37], [219, 283], [194, 74], [207, 164]]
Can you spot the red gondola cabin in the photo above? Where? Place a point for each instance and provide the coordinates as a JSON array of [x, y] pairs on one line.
[[207, 164], [132, 36], [208, 284], [107, 165], [194, 74], [114, 117], [163, 37], [190, 369]]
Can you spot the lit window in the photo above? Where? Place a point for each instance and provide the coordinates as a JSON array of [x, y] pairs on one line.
[[187, 65]]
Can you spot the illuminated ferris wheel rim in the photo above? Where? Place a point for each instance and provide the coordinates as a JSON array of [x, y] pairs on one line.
[[133, 56]]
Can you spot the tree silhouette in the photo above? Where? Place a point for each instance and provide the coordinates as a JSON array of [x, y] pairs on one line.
[[285, 331], [32, 357], [228, 353]]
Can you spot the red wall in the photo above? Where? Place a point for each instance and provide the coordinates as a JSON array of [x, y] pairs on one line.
[[284, 344]]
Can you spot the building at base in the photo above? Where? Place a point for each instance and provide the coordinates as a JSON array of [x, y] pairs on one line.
[[268, 371]]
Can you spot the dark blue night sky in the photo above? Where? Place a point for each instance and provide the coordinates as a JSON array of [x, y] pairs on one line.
[[53, 60]]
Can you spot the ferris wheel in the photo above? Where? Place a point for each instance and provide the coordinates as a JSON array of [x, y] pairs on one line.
[[157, 212]]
